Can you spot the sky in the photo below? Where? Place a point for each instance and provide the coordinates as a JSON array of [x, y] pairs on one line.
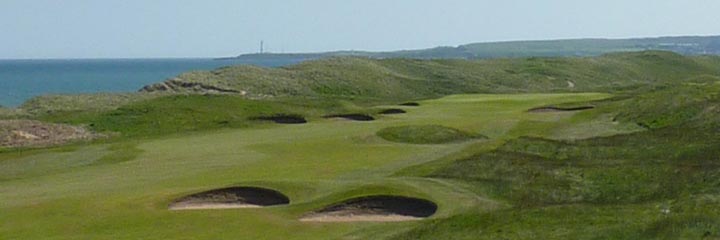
[[41, 29]]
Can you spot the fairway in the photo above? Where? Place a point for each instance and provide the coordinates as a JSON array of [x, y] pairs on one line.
[[92, 195], [354, 120]]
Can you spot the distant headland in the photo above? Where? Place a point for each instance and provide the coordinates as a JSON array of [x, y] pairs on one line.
[[686, 45]]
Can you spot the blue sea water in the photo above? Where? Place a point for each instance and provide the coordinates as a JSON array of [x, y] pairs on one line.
[[21, 80]]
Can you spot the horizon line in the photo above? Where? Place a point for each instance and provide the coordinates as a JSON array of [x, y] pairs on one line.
[[354, 50]]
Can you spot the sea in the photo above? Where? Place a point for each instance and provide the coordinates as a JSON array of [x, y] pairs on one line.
[[21, 80]]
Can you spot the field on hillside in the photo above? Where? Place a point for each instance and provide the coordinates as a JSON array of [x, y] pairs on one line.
[[621, 146], [122, 189]]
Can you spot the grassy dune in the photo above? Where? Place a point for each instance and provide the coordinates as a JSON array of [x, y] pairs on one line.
[[425, 134], [656, 184], [402, 79]]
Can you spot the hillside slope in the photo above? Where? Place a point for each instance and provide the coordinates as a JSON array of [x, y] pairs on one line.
[[412, 79], [656, 184]]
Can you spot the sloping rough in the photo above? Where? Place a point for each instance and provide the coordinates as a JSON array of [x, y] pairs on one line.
[[178, 85], [404, 79], [31, 133]]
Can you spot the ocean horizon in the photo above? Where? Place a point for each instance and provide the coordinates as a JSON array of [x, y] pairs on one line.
[[23, 79]]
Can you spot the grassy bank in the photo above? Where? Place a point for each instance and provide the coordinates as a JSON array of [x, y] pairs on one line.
[[655, 184]]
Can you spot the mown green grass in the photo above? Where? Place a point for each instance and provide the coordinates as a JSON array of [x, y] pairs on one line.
[[425, 134], [188, 113], [125, 195], [27, 163]]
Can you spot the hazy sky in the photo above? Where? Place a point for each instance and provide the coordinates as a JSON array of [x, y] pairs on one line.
[[212, 28]]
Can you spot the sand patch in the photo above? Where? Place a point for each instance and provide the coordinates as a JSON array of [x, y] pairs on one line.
[[359, 218], [31, 133], [559, 109], [410, 104], [353, 116], [282, 119], [200, 206], [228, 198], [379, 208], [393, 111]]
